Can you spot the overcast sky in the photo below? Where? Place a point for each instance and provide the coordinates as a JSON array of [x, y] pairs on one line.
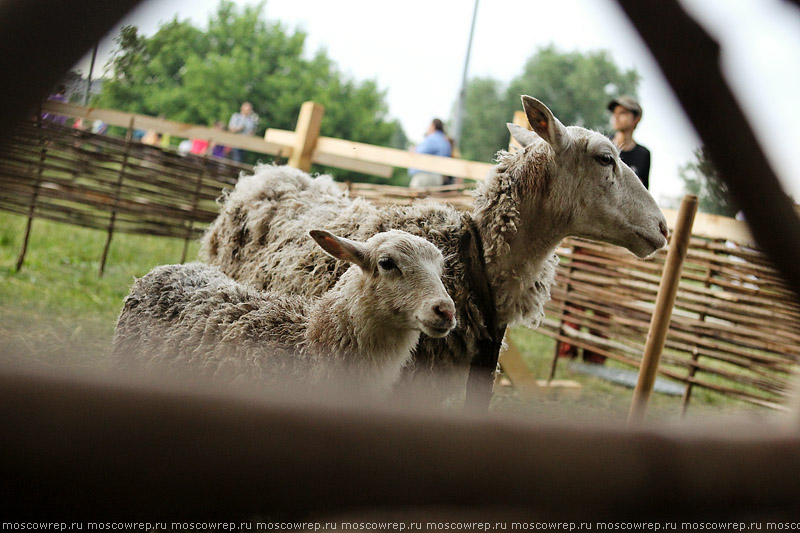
[[415, 51]]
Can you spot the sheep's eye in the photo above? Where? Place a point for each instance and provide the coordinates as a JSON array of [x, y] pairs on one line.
[[605, 159], [386, 263]]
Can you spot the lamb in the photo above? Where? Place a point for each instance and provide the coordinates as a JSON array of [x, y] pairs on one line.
[[565, 181], [193, 318]]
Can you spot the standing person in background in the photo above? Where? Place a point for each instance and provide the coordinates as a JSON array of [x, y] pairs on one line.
[[243, 122], [625, 116], [435, 143]]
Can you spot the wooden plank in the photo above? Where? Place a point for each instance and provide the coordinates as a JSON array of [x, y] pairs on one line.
[[447, 166], [284, 138], [306, 135], [287, 138], [516, 370], [523, 380], [177, 129], [364, 167], [386, 157], [715, 227]]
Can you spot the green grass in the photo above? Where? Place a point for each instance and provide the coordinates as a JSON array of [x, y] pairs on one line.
[[56, 310], [599, 399]]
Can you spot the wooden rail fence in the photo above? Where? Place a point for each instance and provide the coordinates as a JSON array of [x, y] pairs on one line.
[[735, 327]]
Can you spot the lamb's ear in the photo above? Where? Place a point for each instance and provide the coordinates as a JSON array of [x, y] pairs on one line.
[[340, 248], [544, 123], [521, 135]]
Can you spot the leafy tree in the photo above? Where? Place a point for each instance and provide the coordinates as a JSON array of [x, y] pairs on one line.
[[486, 112], [701, 179], [199, 76], [576, 86]]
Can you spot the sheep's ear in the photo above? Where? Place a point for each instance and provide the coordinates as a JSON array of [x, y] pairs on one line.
[[521, 135], [340, 248], [544, 123]]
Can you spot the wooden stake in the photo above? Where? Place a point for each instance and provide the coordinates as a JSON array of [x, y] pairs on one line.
[[195, 202], [663, 309], [117, 190], [35, 196], [308, 126], [562, 312]]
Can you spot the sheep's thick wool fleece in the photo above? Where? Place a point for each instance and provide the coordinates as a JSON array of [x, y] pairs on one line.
[[260, 238], [193, 316]]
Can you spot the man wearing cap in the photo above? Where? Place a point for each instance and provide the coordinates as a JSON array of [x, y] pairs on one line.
[[625, 116]]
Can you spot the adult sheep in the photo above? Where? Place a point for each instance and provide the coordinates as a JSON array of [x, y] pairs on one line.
[[565, 181], [195, 320]]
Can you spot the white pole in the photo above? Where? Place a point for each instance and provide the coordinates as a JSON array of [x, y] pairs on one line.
[[455, 131]]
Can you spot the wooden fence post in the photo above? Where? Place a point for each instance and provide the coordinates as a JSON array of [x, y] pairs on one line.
[[35, 195], [195, 202], [562, 313], [662, 314], [112, 221], [307, 133], [687, 392]]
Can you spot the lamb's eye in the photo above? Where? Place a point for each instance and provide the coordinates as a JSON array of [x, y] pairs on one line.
[[605, 159], [386, 263]]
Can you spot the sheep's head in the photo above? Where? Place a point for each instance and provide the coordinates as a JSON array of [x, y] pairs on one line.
[[400, 276], [589, 189]]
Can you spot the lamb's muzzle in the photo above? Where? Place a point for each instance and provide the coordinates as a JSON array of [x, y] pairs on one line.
[[440, 318]]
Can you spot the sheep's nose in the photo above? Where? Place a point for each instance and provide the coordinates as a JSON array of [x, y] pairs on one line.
[[445, 310], [662, 225]]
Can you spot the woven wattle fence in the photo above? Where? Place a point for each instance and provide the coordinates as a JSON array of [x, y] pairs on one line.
[[735, 328], [88, 180]]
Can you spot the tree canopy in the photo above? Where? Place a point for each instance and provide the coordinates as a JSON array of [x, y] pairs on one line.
[[199, 76], [575, 86], [701, 179]]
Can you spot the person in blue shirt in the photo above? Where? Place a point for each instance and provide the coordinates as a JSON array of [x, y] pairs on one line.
[[435, 143], [243, 122]]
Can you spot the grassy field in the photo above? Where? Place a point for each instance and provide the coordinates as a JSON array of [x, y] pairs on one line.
[[56, 306], [58, 311]]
